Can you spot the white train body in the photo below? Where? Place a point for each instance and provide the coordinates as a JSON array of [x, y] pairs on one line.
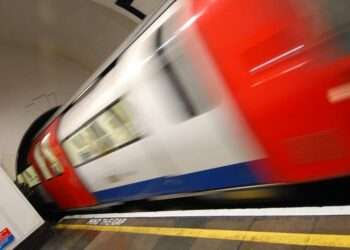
[[173, 141], [206, 95]]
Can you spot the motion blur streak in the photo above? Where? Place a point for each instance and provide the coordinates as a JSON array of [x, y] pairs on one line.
[[289, 52], [211, 96]]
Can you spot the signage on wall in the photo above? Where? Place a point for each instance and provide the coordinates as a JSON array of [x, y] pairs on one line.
[[127, 4], [6, 237], [136, 10]]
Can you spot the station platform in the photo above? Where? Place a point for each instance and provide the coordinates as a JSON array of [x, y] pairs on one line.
[[310, 228]]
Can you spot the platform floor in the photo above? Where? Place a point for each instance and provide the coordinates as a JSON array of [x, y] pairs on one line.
[[195, 232]]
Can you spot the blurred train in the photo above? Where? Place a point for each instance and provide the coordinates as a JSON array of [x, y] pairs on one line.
[[207, 95]]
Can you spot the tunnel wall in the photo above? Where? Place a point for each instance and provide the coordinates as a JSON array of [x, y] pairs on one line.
[[30, 85], [48, 49]]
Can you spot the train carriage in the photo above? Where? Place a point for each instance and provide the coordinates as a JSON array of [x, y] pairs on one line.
[[210, 95]]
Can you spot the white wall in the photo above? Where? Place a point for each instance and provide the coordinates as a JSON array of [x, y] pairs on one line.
[[16, 213]]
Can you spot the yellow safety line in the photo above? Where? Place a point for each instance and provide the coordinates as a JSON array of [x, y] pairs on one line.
[[302, 239]]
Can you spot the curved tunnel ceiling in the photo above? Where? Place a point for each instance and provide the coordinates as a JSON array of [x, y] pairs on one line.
[[48, 48]]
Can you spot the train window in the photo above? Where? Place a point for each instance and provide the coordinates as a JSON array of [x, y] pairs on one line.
[[337, 13], [80, 147], [30, 177], [330, 20], [121, 114], [78, 141], [186, 81], [39, 159], [85, 155], [87, 149], [50, 157], [96, 131], [20, 179], [100, 137], [108, 131], [194, 88]]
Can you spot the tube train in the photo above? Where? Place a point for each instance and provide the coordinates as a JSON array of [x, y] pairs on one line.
[[207, 95]]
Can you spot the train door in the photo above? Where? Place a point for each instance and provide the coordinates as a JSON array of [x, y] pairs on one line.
[[209, 146]]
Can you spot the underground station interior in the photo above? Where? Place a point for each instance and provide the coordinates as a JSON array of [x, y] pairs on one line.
[[175, 124]]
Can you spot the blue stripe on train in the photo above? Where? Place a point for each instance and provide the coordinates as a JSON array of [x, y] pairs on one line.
[[234, 175]]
